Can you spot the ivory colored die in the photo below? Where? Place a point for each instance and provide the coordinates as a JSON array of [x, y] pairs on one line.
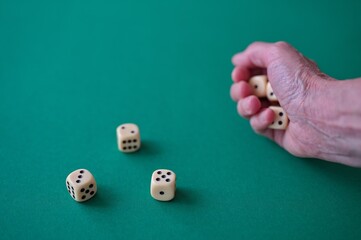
[[81, 185], [281, 118], [128, 137], [259, 85], [270, 94], [163, 185]]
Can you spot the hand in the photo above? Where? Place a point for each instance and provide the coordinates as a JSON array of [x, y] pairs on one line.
[[325, 114]]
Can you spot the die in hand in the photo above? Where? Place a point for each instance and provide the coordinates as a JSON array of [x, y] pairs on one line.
[[262, 88], [259, 85], [281, 118], [271, 96]]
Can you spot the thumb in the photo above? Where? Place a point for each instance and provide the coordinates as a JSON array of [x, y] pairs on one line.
[[291, 75]]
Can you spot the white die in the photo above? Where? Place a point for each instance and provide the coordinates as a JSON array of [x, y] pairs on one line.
[[281, 118], [128, 137], [163, 185], [259, 85], [81, 185], [270, 94]]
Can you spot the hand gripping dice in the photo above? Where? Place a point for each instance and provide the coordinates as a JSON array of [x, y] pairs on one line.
[[163, 185], [128, 137], [81, 185]]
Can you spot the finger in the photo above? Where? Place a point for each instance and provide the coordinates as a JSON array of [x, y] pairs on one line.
[[262, 120], [255, 56], [240, 90], [248, 106], [260, 123], [240, 74]]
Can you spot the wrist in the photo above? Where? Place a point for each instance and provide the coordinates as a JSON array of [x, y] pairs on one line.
[[339, 120]]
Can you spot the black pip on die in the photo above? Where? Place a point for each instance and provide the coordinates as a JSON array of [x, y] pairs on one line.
[[128, 137], [281, 118], [81, 185], [163, 185], [259, 85]]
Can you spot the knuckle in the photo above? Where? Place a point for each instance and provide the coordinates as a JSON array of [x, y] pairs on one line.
[[278, 49], [282, 45], [254, 45]]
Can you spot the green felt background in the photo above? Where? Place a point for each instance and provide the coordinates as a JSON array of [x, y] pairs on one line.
[[72, 71]]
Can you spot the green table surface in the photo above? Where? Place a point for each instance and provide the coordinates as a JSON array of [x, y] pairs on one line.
[[72, 71]]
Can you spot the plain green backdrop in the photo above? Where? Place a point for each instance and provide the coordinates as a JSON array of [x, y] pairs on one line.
[[72, 71]]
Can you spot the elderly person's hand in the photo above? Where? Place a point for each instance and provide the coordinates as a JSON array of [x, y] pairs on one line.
[[324, 114]]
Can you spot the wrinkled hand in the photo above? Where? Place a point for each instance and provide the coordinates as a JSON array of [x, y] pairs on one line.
[[320, 126]]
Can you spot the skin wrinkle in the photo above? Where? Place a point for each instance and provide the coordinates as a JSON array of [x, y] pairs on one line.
[[319, 98], [281, 68], [274, 74], [343, 119], [332, 145], [350, 145], [348, 126], [326, 135], [312, 144], [324, 146]]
